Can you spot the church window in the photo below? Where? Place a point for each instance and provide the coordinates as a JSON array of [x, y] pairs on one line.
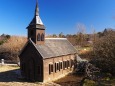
[[63, 64], [60, 65], [55, 67], [42, 37], [50, 68], [38, 37], [67, 64], [72, 63]]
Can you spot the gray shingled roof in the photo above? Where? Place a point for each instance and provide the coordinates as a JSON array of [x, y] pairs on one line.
[[55, 47]]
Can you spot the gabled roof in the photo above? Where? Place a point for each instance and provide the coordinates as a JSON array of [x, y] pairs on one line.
[[55, 47]]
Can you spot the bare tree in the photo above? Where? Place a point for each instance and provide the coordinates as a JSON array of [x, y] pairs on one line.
[[104, 53], [81, 29], [12, 47]]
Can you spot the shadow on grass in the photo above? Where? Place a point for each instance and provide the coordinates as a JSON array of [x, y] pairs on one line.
[[10, 76], [69, 80]]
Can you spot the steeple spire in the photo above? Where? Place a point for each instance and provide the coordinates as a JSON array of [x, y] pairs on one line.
[[36, 20], [36, 9]]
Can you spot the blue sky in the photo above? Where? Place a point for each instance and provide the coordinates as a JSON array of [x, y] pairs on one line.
[[57, 15]]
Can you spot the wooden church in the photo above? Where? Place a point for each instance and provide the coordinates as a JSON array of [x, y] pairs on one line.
[[45, 59]]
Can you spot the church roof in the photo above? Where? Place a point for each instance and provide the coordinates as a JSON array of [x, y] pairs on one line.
[[55, 47], [36, 20]]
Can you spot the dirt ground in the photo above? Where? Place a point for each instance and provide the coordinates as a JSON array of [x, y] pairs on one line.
[[9, 76]]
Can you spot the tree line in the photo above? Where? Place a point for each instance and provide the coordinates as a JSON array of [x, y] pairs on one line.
[[81, 38], [10, 46]]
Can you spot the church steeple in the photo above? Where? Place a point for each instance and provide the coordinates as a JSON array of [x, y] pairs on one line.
[[36, 19], [36, 9], [36, 28]]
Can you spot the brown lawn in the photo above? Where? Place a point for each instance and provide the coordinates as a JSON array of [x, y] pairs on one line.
[[9, 77]]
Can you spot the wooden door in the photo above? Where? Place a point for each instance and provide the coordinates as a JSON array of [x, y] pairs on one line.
[[31, 70]]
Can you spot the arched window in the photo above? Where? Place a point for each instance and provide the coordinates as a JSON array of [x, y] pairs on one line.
[[38, 37], [42, 37]]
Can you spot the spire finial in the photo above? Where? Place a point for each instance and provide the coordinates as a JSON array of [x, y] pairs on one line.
[[36, 9]]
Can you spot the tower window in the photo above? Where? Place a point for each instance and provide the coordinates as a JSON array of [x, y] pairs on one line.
[[38, 37], [42, 37]]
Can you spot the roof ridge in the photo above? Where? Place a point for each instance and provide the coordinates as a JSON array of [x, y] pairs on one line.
[[57, 38]]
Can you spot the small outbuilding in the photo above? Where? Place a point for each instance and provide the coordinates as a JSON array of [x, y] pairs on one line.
[[45, 59]]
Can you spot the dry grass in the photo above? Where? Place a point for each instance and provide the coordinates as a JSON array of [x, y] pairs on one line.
[[69, 80], [8, 68], [14, 44], [8, 77]]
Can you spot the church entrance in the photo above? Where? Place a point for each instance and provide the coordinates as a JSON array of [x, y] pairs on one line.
[[31, 70]]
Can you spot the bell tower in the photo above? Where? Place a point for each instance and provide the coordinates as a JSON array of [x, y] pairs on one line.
[[36, 29]]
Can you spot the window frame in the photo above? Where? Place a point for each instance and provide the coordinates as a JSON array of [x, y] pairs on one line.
[[63, 65], [60, 65], [50, 68], [42, 37], [55, 68], [38, 37], [72, 63]]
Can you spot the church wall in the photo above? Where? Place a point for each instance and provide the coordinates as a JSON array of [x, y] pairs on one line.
[[60, 72], [31, 64]]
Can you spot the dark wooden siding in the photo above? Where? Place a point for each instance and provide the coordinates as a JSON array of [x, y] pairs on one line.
[[31, 63]]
